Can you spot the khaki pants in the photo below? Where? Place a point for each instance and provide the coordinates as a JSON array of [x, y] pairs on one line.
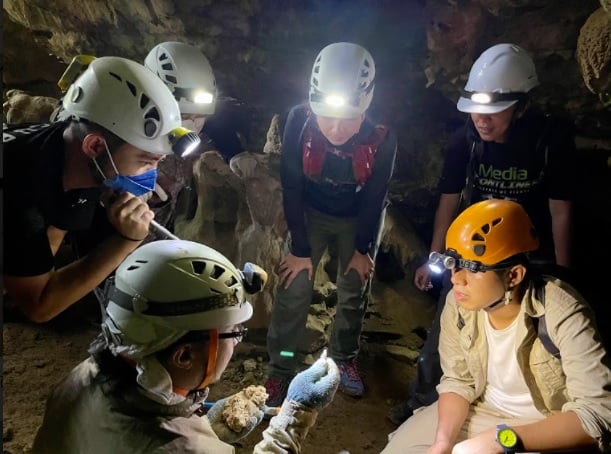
[[418, 433]]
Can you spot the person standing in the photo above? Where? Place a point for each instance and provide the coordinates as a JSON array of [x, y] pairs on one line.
[[336, 165]]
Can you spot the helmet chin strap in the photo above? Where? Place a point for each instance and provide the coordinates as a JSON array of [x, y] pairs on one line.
[[213, 350], [505, 299]]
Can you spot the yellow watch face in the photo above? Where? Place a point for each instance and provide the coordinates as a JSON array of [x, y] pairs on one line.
[[507, 438]]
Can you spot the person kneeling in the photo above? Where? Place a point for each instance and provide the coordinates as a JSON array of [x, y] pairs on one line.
[[173, 317]]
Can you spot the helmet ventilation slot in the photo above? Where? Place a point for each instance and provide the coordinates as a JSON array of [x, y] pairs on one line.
[[198, 266]]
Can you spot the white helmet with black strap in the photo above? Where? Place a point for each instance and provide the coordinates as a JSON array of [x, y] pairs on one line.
[[187, 73], [126, 99], [342, 81], [168, 288], [499, 78]]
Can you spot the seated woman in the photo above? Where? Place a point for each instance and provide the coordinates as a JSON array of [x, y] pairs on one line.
[[523, 366]]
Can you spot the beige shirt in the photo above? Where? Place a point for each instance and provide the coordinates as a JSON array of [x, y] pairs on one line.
[[85, 414], [578, 381]]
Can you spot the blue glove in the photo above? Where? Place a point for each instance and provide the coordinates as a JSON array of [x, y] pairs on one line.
[[315, 387], [231, 431]]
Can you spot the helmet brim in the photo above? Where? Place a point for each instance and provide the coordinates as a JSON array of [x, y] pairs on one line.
[[468, 106]]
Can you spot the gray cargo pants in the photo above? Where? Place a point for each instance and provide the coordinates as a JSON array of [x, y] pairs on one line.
[[292, 305]]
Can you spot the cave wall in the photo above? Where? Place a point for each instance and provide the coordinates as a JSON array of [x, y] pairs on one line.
[[262, 51]]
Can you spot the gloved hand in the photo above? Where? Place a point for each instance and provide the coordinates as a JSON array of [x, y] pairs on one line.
[[315, 387], [226, 430]]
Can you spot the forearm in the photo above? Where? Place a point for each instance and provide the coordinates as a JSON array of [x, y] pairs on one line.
[[557, 432], [452, 413], [561, 211], [71, 283], [443, 219]]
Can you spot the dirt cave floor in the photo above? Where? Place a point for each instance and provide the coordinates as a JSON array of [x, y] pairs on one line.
[[38, 356]]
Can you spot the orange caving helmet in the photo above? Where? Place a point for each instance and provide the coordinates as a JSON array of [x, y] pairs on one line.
[[492, 231]]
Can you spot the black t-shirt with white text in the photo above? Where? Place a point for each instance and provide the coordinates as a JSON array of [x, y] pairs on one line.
[[535, 164]]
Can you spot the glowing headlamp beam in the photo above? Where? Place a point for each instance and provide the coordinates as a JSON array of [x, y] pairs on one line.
[[203, 97], [481, 98], [335, 100]]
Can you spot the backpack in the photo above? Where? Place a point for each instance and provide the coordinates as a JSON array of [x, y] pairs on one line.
[[315, 149]]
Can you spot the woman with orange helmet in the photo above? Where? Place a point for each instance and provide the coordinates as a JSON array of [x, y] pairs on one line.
[[523, 366]]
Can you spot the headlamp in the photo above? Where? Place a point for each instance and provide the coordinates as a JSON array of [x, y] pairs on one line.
[[203, 97], [183, 141], [438, 262], [482, 97], [451, 259], [194, 95], [335, 100]]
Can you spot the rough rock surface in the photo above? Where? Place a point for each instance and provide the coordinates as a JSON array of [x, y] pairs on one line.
[[594, 53]]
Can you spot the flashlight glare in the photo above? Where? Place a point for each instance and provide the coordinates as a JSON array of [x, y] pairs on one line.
[[203, 97], [482, 98], [335, 100], [435, 268], [192, 146]]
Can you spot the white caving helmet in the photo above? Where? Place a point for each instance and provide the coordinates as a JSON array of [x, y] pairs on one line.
[[499, 78], [168, 288], [342, 81], [188, 74], [126, 99]]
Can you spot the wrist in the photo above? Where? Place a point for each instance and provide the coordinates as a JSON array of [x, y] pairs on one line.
[[508, 439], [124, 237]]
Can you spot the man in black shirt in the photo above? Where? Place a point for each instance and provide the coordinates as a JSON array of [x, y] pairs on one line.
[[122, 121], [505, 151]]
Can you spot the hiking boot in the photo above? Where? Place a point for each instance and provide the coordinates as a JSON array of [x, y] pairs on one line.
[[276, 388], [399, 413], [349, 380]]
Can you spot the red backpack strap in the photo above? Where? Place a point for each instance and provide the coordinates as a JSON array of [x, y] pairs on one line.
[[313, 153], [364, 157]]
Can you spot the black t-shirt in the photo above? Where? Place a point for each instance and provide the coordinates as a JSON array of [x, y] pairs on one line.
[[534, 165], [227, 131], [34, 198], [336, 193]]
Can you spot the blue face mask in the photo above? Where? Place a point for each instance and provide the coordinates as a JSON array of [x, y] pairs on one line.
[[136, 184]]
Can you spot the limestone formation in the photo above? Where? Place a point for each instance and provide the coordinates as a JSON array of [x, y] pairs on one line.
[[274, 137], [20, 107], [594, 53]]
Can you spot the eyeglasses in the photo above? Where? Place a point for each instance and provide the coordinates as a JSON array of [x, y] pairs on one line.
[[481, 97], [238, 334], [439, 262]]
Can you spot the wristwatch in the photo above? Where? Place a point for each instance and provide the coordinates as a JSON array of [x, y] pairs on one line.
[[507, 438]]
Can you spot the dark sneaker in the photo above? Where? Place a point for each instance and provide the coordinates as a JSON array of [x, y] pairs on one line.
[[349, 380], [276, 388], [399, 413]]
